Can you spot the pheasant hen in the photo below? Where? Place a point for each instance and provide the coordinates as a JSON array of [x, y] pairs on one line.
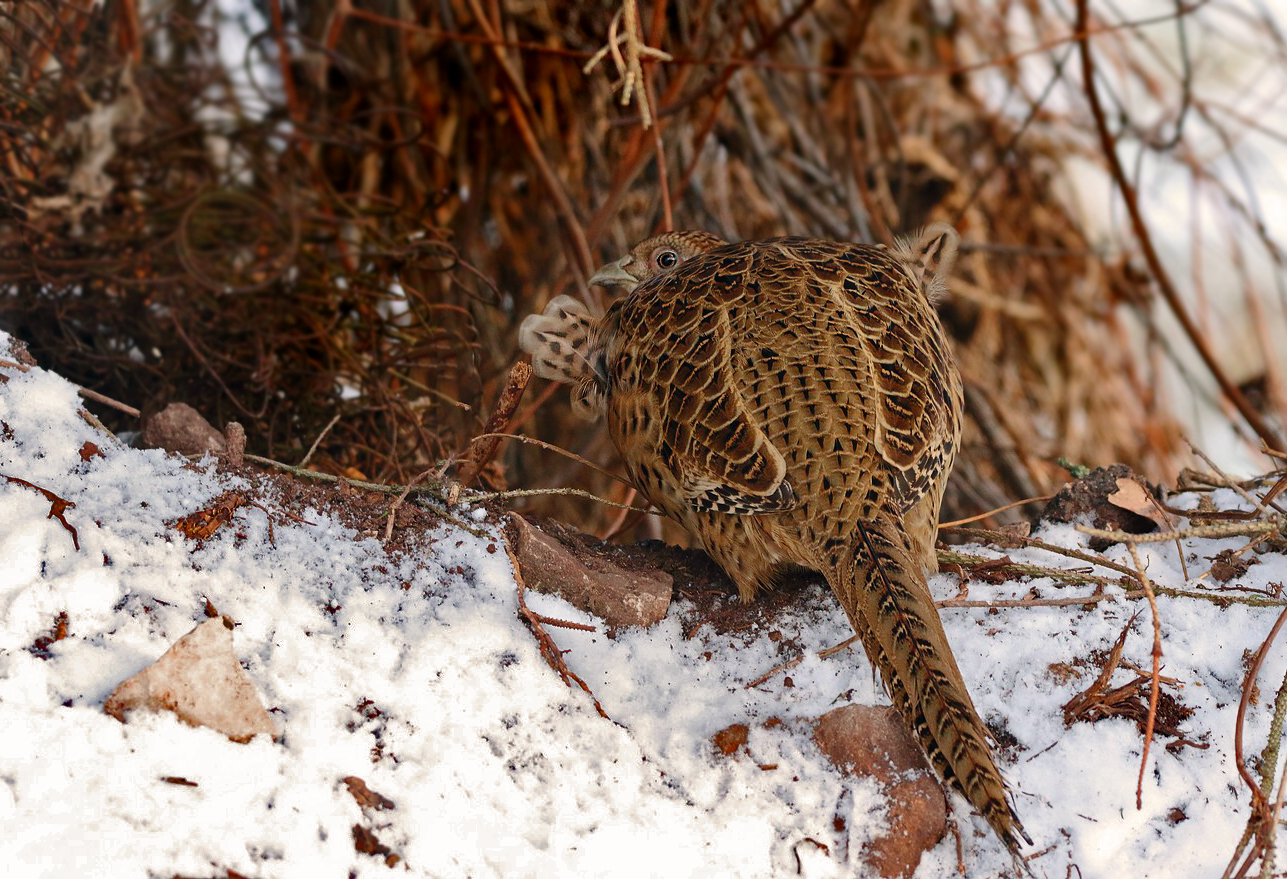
[[793, 403]]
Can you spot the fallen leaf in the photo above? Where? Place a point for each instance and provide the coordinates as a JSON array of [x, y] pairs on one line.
[[365, 797], [1134, 498], [730, 739]]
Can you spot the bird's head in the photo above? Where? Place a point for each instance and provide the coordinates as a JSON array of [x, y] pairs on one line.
[[654, 256]]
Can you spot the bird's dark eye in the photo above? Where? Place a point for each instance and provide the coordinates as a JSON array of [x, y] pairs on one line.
[[667, 259]]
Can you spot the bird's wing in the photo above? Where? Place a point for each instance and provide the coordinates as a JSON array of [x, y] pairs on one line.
[[676, 396], [916, 389]]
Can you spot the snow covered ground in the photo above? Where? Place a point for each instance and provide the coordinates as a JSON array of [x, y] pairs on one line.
[[413, 673]]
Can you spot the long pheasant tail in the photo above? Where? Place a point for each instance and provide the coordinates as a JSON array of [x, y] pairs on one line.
[[884, 592]]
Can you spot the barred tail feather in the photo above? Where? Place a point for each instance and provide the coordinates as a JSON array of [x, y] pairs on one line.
[[883, 589]]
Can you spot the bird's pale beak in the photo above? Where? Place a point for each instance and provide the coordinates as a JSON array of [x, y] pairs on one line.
[[614, 274]]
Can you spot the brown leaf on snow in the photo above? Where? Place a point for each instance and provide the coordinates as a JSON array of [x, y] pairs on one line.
[[1101, 494], [1228, 565], [364, 796], [40, 647], [199, 679], [1132, 496], [205, 522], [366, 842], [728, 740]]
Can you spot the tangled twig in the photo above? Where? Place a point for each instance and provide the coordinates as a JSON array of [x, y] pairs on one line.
[[550, 651], [1259, 825], [57, 506], [629, 67], [1145, 239]]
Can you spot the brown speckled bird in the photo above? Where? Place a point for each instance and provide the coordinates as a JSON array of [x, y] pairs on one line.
[[793, 403]]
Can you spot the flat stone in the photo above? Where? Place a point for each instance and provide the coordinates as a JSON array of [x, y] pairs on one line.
[[200, 680], [863, 740], [591, 582]]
